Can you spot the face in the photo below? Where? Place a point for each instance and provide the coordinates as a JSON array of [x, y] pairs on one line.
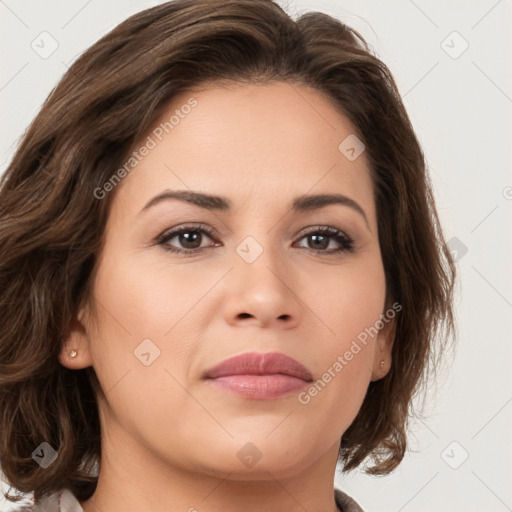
[[253, 272]]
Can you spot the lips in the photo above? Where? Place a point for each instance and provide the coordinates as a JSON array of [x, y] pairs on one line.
[[256, 376], [254, 363]]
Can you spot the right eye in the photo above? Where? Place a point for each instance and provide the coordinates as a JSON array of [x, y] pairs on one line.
[[188, 236]]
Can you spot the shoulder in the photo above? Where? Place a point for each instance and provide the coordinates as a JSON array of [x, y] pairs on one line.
[[60, 501], [345, 503]]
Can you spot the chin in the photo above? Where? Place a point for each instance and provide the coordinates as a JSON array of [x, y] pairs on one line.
[[248, 460]]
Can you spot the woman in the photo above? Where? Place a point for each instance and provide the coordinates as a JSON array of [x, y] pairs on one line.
[[222, 269]]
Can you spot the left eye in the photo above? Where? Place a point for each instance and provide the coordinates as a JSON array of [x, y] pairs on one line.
[[190, 238]]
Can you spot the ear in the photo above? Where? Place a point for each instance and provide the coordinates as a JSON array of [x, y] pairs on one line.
[[77, 341], [383, 348]]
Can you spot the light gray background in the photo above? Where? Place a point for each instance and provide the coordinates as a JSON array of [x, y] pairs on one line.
[[461, 109]]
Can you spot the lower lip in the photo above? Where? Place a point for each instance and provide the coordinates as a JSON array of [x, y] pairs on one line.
[[259, 387]]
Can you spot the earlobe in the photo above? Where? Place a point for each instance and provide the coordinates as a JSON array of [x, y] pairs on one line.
[[381, 371], [75, 352]]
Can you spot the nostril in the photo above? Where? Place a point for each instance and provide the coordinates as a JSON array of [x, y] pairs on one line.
[[244, 315]]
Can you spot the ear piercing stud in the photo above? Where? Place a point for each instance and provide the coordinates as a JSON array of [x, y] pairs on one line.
[[73, 353], [382, 364]]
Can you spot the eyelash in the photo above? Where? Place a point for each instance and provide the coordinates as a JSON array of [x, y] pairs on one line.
[[347, 243]]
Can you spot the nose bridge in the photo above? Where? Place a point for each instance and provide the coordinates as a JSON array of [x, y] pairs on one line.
[[260, 260], [262, 284]]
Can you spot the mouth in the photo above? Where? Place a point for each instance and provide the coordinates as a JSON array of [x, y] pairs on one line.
[[259, 376]]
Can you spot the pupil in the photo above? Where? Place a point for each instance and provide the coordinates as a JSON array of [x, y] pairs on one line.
[[187, 238], [316, 237]]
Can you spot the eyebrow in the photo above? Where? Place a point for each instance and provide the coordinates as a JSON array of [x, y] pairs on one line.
[[299, 204]]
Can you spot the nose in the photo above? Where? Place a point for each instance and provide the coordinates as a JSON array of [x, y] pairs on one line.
[[264, 293]]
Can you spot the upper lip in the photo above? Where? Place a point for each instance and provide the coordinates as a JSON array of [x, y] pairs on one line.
[[255, 363]]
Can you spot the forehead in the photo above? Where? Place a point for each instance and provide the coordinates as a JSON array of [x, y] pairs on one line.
[[262, 143]]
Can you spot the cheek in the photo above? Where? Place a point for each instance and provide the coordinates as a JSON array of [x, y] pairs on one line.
[[141, 299], [349, 302], [136, 308], [148, 296], [350, 298]]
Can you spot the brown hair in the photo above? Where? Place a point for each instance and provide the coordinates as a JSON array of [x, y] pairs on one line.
[[52, 225]]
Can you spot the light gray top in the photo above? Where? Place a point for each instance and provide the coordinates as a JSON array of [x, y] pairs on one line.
[[65, 501]]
